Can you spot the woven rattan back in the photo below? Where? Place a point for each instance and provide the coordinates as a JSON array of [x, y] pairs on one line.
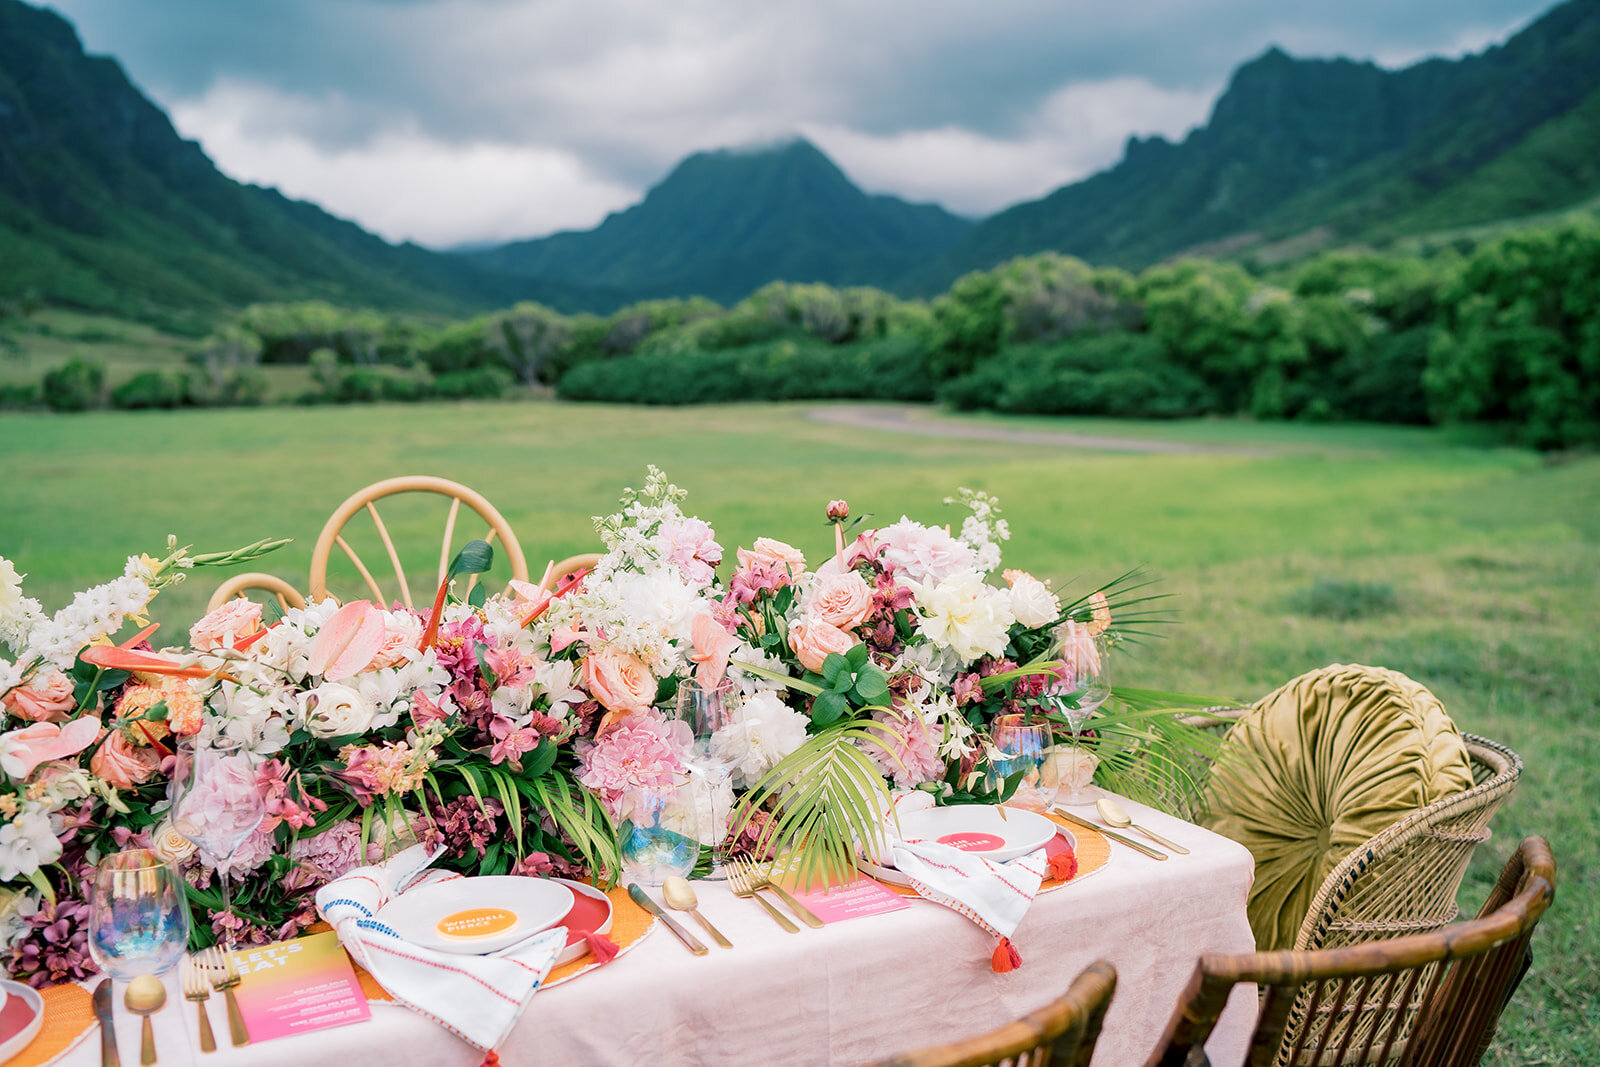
[[366, 500], [1426, 1000], [1062, 1033], [286, 595]]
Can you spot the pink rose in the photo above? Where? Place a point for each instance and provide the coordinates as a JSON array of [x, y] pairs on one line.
[[123, 765], [844, 600], [619, 681], [226, 624], [812, 640], [48, 698], [23, 750], [767, 550]]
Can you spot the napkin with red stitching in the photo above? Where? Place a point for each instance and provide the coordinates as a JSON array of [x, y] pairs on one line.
[[994, 895], [478, 998]]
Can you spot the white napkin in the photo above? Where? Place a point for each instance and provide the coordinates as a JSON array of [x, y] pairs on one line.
[[478, 998], [994, 895]]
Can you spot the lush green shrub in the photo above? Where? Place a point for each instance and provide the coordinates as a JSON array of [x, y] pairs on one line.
[[18, 397], [895, 368], [153, 389], [76, 385], [482, 383], [366, 384], [1118, 374]]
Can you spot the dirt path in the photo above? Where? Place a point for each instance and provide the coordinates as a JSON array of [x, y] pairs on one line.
[[925, 422]]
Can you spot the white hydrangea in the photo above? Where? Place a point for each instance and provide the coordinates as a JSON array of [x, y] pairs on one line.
[[762, 732]]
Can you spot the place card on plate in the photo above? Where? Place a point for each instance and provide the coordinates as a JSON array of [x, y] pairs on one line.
[[851, 900], [294, 987]]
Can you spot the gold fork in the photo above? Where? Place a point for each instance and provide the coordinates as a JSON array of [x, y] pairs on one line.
[[198, 989], [743, 885], [225, 978], [762, 877]]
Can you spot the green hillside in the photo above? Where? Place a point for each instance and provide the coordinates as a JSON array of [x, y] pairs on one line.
[[724, 223], [104, 207]]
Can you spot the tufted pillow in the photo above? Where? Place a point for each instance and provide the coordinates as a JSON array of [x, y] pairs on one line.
[[1317, 768]]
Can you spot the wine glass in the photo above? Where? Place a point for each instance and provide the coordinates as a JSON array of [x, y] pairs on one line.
[[217, 803], [705, 710], [1086, 685], [657, 836], [1020, 744], [138, 915]]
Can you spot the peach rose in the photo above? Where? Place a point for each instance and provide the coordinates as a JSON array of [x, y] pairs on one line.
[[812, 639], [123, 765], [767, 550], [842, 600], [226, 624], [48, 698], [619, 681]]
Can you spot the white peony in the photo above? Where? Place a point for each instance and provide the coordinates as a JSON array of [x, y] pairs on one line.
[[1032, 602], [966, 615], [333, 710], [764, 730]]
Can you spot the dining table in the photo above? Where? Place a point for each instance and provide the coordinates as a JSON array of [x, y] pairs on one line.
[[855, 991]]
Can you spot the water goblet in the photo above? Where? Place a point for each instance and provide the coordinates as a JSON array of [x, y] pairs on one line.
[[217, 803], [706, 711], [1086, 685], [657, 832], [1019, 743], [138, 915]]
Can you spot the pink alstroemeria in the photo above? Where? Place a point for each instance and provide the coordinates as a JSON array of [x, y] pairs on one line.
[[713, 644], [531, 601], [23, 750]]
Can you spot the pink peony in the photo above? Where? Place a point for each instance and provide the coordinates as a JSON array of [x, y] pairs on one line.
[[913, 749], [47, 698], [224, 803], [334, 853], [640, 750], [690, 546], [224, 625], [922, 553]]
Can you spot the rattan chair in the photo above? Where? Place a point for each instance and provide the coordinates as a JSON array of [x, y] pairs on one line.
[[571, 565], [1425, 1000], [1062, 1033], [286, 595], [365, 499]]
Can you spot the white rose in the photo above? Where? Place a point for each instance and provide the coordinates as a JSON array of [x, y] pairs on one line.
[[171, 846], [333, 710], [1033, 603]]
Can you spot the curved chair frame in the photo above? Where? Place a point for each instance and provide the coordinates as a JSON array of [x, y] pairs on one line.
[[571, 565], [287, 595], [1063, 1033], [364, 500], [1425, 1000]]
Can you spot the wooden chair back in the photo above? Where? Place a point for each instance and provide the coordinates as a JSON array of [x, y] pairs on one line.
[[571, 565], [1425, 1000], [1063, 1033], [286, 595], [366, 500]]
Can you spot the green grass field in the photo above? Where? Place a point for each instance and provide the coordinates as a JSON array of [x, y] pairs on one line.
[[1473, 569]]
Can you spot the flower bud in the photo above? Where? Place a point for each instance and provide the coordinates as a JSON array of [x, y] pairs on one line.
[[838, 510]]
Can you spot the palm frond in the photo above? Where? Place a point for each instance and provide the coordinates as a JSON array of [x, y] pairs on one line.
[[827, 797]]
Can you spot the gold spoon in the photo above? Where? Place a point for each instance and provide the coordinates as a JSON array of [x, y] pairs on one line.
[[146, 996], [1113, 813], [680, 897]]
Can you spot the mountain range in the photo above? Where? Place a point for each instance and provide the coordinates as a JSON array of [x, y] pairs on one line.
[[104, 206]]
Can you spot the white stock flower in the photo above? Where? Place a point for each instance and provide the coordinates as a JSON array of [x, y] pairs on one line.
[[763, 731], [333, 710], [966, 615], [17, 612]]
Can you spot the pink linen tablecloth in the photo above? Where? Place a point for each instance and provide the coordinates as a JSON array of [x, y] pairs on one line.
[[850, 993]]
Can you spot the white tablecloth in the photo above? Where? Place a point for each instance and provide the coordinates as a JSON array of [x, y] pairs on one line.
[[852, 992]]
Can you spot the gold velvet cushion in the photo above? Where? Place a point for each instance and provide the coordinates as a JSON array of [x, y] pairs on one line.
[[1318, 767]]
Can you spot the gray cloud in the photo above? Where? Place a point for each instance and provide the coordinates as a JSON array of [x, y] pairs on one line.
[[975, 105]]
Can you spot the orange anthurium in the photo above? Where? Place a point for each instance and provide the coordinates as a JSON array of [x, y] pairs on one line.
[[125, 657]]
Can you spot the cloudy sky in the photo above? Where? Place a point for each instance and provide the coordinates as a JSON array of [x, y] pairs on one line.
[[448, 121]]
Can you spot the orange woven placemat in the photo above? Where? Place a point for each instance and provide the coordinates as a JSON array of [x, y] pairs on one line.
[[68, 1013], [1093, 852]]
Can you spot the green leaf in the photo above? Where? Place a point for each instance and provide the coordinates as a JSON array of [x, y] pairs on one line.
[[872, 686], [479, 595], [857, 656], [540, 760], [475, 558], [829, 708], [833, 667]]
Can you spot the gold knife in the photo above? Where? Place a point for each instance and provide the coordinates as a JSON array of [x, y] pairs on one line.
[[1113, 835], [108, 1032], [641, 898]]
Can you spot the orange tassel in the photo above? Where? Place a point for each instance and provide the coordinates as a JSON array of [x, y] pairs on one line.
[[1006, 957], [601, 947], [1064, 866], [492, 1059]]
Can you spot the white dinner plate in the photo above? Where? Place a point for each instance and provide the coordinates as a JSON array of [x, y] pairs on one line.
[[477, 915], [21, 1016], [980, 829]]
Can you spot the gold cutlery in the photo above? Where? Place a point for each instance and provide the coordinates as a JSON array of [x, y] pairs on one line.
[[763, 879], [641, 898], [1118, 816], [1112, 834], [224, 979], [680, 896], [108, 1032], [743, 885], [144, 997], [198, 989]]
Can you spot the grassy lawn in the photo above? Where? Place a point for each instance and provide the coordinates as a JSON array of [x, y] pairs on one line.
[[1472, 569]]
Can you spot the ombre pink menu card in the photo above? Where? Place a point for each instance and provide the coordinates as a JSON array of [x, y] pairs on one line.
[[294, 987], [851, 901]]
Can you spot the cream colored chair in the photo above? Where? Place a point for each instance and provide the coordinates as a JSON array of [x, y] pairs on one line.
[[286, 595]]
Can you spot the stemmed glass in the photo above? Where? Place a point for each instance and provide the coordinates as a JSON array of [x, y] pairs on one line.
[[1087, 685], [217, 803], [1020, 744], [706, 710], [138, 915]]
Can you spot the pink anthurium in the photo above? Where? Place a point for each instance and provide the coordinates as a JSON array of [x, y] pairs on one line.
[[712, 646], [23, 750], [348, 641]]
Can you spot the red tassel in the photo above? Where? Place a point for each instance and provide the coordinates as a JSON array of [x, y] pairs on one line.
[[491, 1059], [601, 947], [1064, 866], [1006, 957]]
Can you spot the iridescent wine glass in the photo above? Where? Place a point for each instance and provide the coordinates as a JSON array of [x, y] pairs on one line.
[[217, 803], [1086, 658], [706, 711], [657, 832]]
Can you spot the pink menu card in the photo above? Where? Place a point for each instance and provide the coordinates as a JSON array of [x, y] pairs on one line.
[[851, 901], [293, 987]]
